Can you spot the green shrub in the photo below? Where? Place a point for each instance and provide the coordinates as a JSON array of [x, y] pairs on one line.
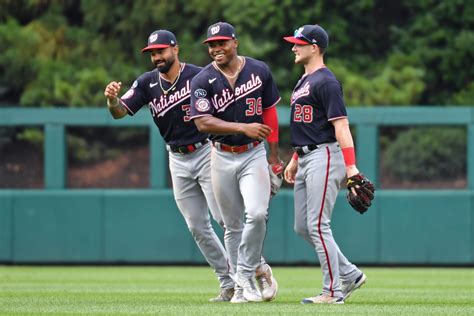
[[427, 153]]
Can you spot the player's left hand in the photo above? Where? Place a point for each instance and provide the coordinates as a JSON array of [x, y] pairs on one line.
[[257, 131], [276, 177], [360, 192]]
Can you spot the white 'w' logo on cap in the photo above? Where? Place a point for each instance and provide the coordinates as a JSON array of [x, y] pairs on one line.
[[215, 29]]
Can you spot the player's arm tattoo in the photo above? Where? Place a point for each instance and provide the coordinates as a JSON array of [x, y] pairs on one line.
[[116, 108]]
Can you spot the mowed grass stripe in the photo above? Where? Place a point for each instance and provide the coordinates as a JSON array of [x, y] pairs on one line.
[[186, 290]]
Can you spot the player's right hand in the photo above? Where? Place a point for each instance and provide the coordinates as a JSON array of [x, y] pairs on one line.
[[257, 131], [290, 171], [112, 90]]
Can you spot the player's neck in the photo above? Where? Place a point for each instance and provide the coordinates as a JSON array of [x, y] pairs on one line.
[[313, 65], [232, 69], [173, 73]]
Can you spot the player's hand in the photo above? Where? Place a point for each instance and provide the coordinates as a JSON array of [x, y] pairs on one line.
[[351, 171], [290, 171], [112, 90], [257, 131]]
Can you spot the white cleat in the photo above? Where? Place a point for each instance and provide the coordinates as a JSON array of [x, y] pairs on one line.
[[349, 287], [224, 296], [250, 291], [238, 297], [323, 299], [267, 283]]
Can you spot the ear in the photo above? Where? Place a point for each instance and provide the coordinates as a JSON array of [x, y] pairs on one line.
[[236, 43], [176, 50]]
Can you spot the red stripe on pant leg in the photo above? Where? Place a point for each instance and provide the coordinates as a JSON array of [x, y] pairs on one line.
[[319, 222]]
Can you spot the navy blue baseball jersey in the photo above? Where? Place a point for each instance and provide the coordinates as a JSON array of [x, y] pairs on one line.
[[170, 111], [315, 102], [254, 90]]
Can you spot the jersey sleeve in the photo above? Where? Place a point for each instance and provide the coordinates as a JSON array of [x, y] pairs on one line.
[[331, 99], [270, 94], [201, 102], [134, 98]]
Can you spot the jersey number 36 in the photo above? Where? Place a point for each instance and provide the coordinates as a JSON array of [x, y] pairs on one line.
[[255, 106]]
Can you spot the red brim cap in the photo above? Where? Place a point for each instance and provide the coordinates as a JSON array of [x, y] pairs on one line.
[[295, 40], [156, 46], [218, 38]]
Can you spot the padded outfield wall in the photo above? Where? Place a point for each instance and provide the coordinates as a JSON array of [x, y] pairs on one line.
[[61, 225]]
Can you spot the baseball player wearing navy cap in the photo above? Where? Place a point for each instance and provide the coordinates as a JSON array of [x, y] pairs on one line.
[[324, 156], [234, 99], [166, 91]]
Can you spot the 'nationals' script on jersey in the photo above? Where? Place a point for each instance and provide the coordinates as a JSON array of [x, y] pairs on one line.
[[254, 90]]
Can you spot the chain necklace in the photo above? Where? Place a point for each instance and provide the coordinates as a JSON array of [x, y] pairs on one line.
[[236, 73], [166, 91]]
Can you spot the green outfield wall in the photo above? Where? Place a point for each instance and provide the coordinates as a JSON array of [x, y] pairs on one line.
[[61, 225]]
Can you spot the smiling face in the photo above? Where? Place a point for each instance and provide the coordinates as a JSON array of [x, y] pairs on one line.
[[164, 58], [223, 51], [303, 53]]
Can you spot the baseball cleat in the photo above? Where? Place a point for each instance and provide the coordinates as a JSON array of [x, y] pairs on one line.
[[238, 296], [250, 291], [323, 299], [267, 283], [349, 287], [224, 296]]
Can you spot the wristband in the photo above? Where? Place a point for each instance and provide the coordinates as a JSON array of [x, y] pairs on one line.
[[349, 156], [295, 156]]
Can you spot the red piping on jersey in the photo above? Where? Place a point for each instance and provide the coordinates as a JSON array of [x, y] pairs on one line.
[[274, 104], [270, 118], [319, 222], [126, 106], [336, 118]]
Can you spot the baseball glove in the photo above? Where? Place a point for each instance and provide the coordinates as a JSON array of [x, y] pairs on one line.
[[276, 177], [365, 192]]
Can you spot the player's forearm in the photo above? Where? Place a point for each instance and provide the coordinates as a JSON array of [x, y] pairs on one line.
[[116, 108], [216, 126], [344, 138], [273, 156], [343, 133]]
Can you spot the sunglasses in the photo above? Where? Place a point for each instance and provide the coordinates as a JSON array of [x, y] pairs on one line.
[[299, 34]]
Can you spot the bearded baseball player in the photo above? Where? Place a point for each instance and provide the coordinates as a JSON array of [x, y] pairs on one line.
[[166, 90], [234, 98], [324, 156]]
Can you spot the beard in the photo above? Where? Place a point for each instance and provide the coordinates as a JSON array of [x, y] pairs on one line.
[[166, 66]]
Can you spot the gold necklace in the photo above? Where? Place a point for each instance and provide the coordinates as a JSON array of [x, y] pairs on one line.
[[165, 92], [236, 73]]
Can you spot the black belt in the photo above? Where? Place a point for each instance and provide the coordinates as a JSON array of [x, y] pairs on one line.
[[186, 149], [303, 150]]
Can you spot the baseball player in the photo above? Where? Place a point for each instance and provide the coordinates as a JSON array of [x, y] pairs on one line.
[[234, 98], [166, 90], [324, 156]]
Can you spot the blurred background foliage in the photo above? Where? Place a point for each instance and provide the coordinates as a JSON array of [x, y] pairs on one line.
[[62, 53]]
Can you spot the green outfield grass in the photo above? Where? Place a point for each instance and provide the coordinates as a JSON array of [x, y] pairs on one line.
[[186, 290]]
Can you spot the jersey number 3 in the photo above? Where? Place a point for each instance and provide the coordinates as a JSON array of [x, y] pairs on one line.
[[255, 106], [303, 113], [187, 110]]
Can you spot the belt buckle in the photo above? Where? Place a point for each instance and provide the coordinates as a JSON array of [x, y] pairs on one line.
[[234, 149]]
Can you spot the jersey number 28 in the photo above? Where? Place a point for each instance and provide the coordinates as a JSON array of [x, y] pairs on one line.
[[303, 113]]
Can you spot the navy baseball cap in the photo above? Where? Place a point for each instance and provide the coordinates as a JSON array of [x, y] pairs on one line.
[[309, 34], [160, 39], [220, 31]]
